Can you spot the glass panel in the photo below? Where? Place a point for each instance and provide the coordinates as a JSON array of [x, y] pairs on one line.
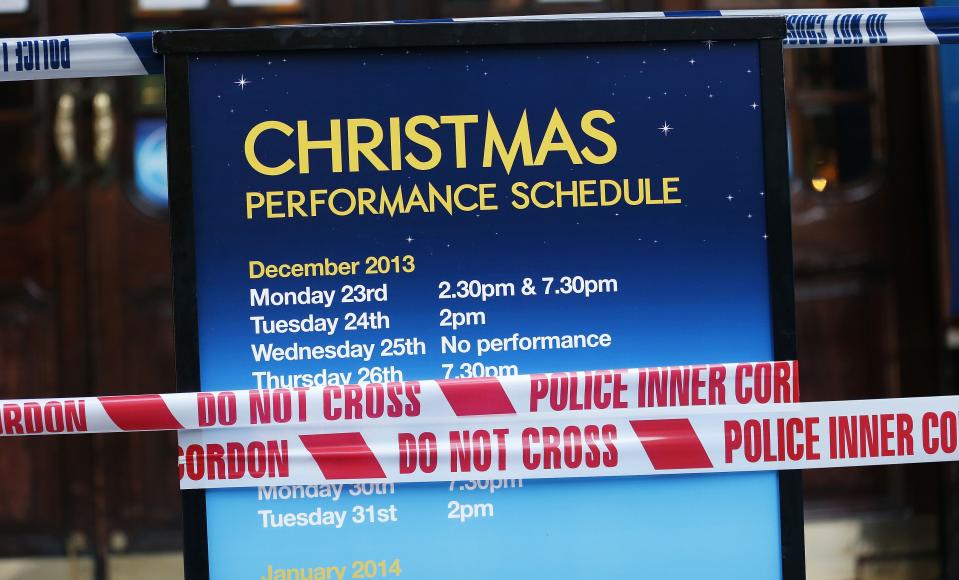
[[833, 102], [18, 162], [146, 5], [838, 69], [149, 93], [264, 2], [14, 6], [149, 163], [837, 145]]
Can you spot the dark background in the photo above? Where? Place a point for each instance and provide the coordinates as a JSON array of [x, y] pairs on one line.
[[85, 298]]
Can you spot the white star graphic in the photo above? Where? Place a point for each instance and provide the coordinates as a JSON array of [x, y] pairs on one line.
[[709, 44], [762, 194], [754, 106], [765, 237], [730, 197], [409, 239], [665, 129], [242, 82], [692, 61]]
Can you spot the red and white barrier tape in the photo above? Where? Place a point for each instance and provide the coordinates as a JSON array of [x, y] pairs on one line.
[[410, 401], [688, 419], [587, 444]]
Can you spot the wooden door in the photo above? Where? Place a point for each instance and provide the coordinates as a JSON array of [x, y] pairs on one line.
[[46, 492]]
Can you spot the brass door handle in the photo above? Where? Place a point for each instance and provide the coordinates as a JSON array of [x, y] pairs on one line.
[[65, 129], [104, 128]]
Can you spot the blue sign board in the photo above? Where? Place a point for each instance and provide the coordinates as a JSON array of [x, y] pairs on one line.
[[487, 194]]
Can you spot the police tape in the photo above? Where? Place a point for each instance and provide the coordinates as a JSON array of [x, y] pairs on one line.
[[641, 421], [79, 56], [820, 27], [594, 443], [410, 402], [131, 53]]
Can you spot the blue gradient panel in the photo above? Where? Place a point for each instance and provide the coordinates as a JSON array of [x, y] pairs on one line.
[[692, 288]]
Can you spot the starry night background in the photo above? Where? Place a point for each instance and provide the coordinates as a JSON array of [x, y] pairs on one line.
[[692, 280]]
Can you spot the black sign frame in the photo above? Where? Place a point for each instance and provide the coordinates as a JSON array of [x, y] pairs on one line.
[[177, 46]]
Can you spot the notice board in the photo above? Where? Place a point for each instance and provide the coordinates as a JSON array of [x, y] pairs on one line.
[[388, 202]]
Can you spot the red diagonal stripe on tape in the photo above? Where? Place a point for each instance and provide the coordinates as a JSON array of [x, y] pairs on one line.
[[343, 456], [482, 396], [139, 412], [671, 443]]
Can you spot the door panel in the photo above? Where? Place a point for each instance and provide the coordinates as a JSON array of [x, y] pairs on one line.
[[45, 491], [132, 320]]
